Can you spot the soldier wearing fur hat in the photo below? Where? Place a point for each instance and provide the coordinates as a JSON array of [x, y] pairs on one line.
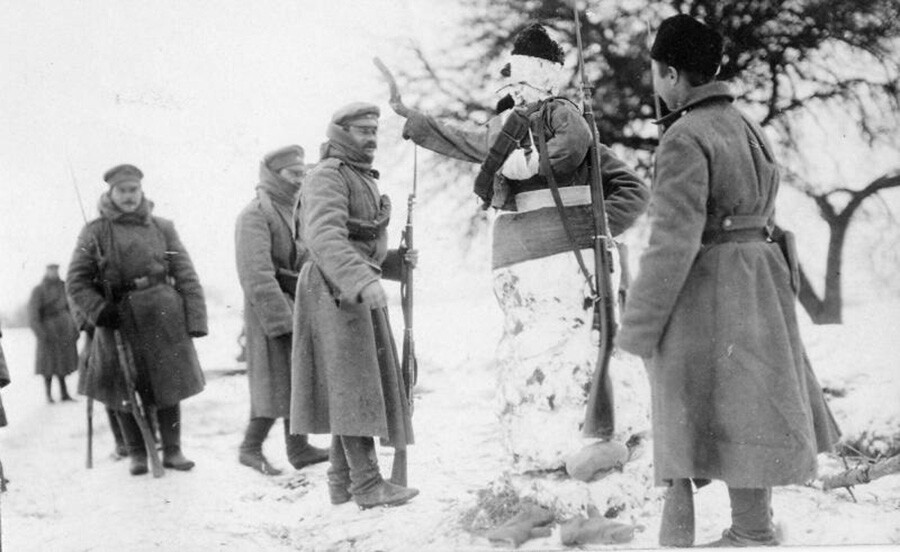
[[268, 262], [537, 279], [346, 372], [712, 309], [55, 330], [156, 303]]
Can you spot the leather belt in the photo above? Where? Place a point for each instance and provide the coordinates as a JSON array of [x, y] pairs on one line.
[[538, 199], [738, 229], [137, 284]]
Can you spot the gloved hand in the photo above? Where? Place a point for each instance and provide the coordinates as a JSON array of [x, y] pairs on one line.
[[108, 317]]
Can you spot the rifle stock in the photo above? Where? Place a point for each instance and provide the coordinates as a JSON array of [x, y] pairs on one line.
[[599, 416]]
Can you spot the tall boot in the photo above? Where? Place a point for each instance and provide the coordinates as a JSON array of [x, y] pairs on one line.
[[48, 380], [299, 452], [677, 527], [121, 450], [367, 486], [250, 453], [751, 519], [169, 420], [338, 473], [134, 441], [62, 389]]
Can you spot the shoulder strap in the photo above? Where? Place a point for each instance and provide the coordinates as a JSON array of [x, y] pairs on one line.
[[544, 159]]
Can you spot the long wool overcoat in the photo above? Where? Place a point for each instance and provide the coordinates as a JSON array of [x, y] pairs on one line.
[[157, 322], [734, 398], [54, 327], [263, 244], [346, 374]]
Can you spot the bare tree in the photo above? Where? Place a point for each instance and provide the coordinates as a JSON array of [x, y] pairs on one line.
[[788, 57]]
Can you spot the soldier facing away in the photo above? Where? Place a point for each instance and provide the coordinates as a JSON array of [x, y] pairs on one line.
[[346, 372], [156, 303], [268, 262], [55, 330], [712, 310], [545, 356]]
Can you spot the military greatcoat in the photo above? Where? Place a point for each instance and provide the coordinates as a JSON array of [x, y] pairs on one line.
[[734, 398], [139, 260]]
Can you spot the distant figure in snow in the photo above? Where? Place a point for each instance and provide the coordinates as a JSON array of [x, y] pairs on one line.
[[712, 309], [346, 372], [268, 262], [157, 304], [54, 327]]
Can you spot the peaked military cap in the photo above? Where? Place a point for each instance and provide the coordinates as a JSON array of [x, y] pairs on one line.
[[123, 173], [534, 41], [285, 157], [685, 43], [356, 112]]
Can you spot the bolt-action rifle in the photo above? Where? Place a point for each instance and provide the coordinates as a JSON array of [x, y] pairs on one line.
[[126, 365], [599, 418], [408, 367]]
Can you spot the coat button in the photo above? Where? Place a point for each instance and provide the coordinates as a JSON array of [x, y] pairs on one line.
[[727, 223]]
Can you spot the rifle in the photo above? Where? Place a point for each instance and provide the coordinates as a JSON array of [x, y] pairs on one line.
[[599, 418], [408, 368], [126, 364], [89, 408]]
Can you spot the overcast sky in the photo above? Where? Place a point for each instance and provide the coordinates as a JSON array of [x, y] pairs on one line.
[[194, 93]]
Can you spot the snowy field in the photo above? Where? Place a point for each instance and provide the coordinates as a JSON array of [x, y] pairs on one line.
[[55, 504]]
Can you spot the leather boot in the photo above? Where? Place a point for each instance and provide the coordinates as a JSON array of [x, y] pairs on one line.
[[367, 486], [299, 452], [169, 420], [121, 450], [134, 442], [47, 382], [64, 393], [677, 527], [250, 453], [338, 473]]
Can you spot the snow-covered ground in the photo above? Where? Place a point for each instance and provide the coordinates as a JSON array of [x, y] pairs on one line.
[[55, 504]]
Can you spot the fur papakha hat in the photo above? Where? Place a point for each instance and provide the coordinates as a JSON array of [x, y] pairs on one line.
[[534, 41], [687, 44]]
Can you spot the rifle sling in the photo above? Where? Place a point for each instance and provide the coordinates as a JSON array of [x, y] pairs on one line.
[[547, 170]]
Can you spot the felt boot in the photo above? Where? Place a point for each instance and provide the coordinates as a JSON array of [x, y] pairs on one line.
[[251, 448], [677, 527], [367, 486], [134, 441], [169, 420], [64, 392], [751, 520], [338, 473], [299, 452], [47, 382], [121, 450]]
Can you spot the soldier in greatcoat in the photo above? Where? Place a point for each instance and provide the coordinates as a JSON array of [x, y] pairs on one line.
[[712, 309], [55, 330], [268, 262], [346, 372], [4, 381], [545, 357], [130, 272]]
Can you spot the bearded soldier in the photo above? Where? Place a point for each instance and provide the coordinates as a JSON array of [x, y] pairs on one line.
[[131, 273], [713, 309], [268, 261], [57, 335], [545, 356], [346, 373]]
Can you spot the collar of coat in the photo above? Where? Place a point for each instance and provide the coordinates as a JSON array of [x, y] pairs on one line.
[[110, 211], [698, 95], [279, 189]]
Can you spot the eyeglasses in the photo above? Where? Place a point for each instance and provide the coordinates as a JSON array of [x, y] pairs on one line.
[[365, 130]]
